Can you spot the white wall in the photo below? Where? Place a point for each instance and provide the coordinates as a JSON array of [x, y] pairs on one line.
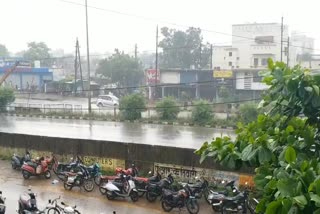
[[170, 77], [221, 57]]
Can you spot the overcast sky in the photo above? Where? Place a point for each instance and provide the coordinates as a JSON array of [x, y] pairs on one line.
[[58, 23]]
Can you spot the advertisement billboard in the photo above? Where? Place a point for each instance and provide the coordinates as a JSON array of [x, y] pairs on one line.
[[152, 76], [222, 74]]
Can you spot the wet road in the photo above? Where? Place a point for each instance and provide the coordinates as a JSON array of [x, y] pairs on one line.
[[165, 135], [12, 185]]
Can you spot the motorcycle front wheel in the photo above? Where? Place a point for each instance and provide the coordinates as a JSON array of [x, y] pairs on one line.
[[97, 180], [165, 206], [193, 206], [25, 174], [110, 195], [53, 210], [66, 186], [88, 185], [134, 196], [47, 174], [151, 197]]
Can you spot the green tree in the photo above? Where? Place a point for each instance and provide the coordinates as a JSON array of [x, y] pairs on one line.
[[181, 49], [202, 113], [6, 97], [167, 108], [131, 106], [3, 51], [121, 69], [282, 146], [38, 51], [248, 112]]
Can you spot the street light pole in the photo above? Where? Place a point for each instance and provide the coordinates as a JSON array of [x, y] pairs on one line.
[[88, 59]]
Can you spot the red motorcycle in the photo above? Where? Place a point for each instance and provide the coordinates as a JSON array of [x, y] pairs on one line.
[[36, 168]]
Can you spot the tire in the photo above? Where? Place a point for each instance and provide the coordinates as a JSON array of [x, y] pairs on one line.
[[151, 197], [110, 196], [134, 196], [100, 105], [141, 194], [53, 210], [67, 187], [193, 206], [54, 169], [103, 191], [206, 193], [47, 174], [76, 212], [165, 206], [25, 174], [97, 180], [88, 185], [13, 165], [62, 177]]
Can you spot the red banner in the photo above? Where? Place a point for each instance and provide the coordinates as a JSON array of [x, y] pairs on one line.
[[152, 76]]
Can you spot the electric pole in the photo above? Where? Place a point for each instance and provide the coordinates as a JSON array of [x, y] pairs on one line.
[[77, 67], [200, 56], [281, 38], [136, 51], [211, 56], [156, 82], [88, 59], [288, 51]]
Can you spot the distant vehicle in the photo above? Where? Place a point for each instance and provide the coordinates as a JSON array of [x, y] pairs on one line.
[[107, 100]]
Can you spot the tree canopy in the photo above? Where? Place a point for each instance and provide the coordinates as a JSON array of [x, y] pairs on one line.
[[181, 49], [38, 51], [3, 51], [121, 69], [282, 144]]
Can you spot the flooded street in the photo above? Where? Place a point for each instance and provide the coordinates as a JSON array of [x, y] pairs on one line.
[[164, 135], [12, 185]]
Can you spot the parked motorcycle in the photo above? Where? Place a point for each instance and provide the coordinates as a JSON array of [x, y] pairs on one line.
[[60, 169], [141, 182], [199, 188], [133, 171], [2, 204], [28, 203], [95, 173], [180, 199], [79, 179], [17, 162], [125, 188], [155, 189], [55, 208], [37, 168]]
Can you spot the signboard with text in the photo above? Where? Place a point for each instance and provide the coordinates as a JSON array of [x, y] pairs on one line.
[[105, 163], [222, 74], [152, 76]]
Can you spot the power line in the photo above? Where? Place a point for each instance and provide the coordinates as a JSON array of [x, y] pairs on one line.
[[171, 23]]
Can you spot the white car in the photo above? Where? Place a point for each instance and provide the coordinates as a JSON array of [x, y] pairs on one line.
[[107, 100]]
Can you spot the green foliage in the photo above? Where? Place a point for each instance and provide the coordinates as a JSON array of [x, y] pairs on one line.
[[37, 51], [248, 112], [167, 108], [121, 69], [202, 113], [131, 106], [6, 97], [284, 148], [3, 51], [174, 56]]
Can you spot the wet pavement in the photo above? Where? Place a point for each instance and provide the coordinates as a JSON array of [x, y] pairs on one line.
[[12, 185], [164, 135]]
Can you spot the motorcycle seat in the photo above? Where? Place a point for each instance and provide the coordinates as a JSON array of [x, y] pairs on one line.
[[167, 192], [234, 198], [157, 184], [32, 164], [194, 186]]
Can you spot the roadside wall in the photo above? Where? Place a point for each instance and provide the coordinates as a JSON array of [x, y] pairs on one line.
[[180, 161]]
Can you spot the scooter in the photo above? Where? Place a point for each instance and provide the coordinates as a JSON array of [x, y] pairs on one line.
[[123, 189], [38, 168], [17, 162], [28, 203], [2, 204]]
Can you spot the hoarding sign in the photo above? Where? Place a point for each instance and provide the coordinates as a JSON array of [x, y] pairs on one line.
[[105, 163], [222, 74], [152, 76]]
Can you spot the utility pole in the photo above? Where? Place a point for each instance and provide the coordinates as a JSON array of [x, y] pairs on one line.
[[281, 38], [211, 56], [288, 56], [77, 67], [136, 52], [88, 59], [156, 82], [200, 55]]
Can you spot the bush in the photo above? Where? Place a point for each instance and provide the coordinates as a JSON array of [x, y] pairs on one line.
[[248, 112], [131, 106], [202, 113], [6, 97], [167, 108]]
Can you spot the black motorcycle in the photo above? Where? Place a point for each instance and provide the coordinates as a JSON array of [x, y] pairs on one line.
[[199, 188], [62, 169], [80, 179], [180, 199], [2, 204], [17, 161], [28, 203], [141, 182], [154, 190]]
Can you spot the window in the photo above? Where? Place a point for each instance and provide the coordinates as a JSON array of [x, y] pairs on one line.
[[230, 53], [230, 63], [255, 62], [264, 61]]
